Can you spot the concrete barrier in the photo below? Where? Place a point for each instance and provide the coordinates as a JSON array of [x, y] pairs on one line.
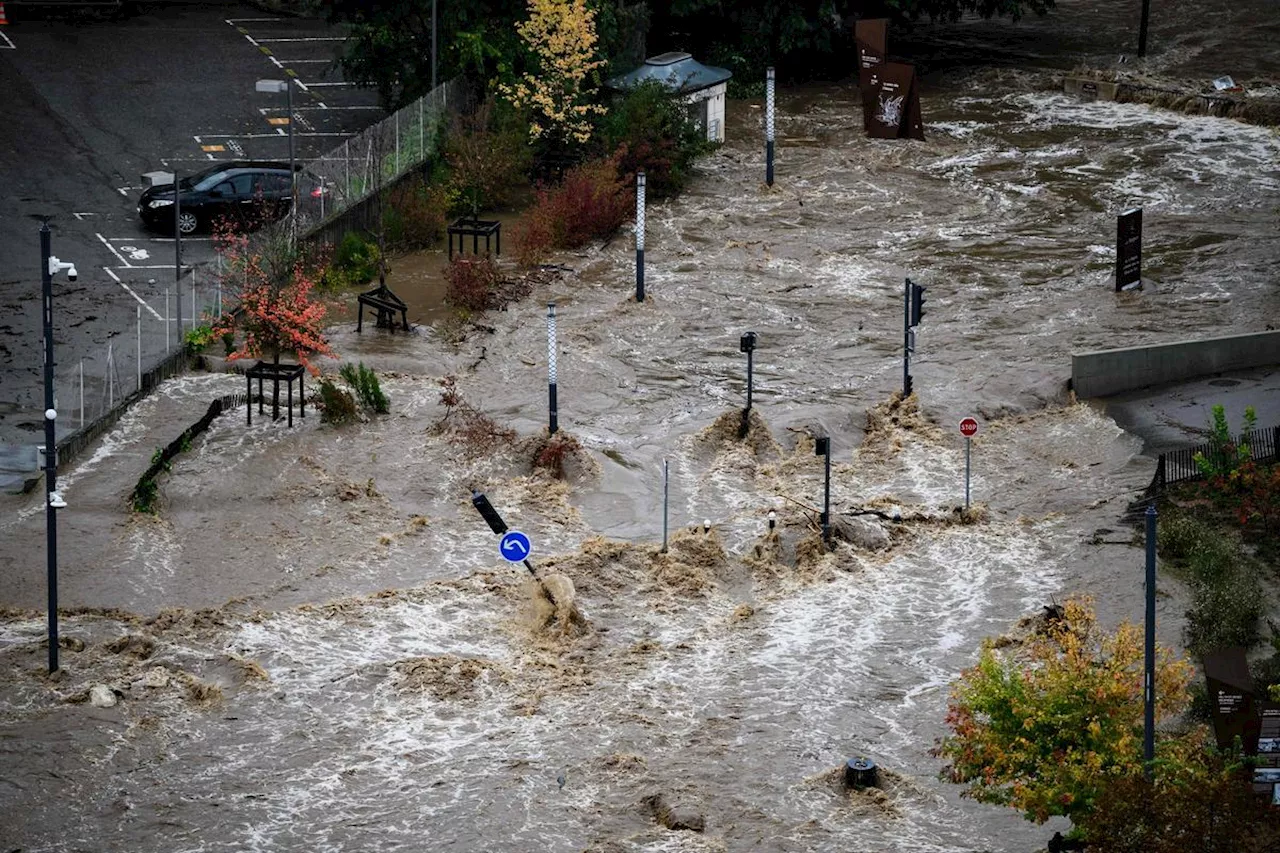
[[1114, 371]]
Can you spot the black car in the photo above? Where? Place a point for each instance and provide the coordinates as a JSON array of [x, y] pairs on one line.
[[244, 193]]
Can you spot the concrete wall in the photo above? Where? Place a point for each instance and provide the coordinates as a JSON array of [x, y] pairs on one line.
[[1106, 372]]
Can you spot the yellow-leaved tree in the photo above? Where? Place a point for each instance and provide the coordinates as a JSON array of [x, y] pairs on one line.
[[561, 34]]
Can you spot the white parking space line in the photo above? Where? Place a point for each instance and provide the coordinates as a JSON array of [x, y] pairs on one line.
[[281, 132], [343, 83], [8, 45], [306, 38], [112, 248], [300, 61], [141, 301], [251, 20], [297, 109]]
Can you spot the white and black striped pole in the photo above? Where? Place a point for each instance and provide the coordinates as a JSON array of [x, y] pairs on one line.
[[640, 236], [551, 366], [768, 128]]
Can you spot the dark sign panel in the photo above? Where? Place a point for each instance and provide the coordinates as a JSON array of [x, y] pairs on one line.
[[1231, 699], [873, 46], [891, 104], [1129, 249]]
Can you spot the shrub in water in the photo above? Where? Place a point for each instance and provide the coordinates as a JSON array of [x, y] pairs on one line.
[[336, 405], [356, 258], [551, 453], [650, 129], [416, 213], [588, 204], [364, 382], [472, 282], [195, 340]]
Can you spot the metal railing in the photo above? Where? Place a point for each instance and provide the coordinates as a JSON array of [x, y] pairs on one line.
[[1180, 466]]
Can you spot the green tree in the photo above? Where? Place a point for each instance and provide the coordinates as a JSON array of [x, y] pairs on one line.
[[1041, 728], [389, 43]]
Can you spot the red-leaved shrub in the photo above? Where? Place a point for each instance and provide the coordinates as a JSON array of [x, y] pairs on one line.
[[588, 204], [473, 282]]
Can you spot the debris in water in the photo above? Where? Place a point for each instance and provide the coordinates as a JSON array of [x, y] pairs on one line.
[[674, 815], [445, 676], [723, 435], [102, 696]]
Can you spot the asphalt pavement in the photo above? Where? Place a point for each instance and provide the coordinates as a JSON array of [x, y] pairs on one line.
[[90, 105], [1167, 417]]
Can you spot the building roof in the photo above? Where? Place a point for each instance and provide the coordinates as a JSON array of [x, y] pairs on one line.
[[679, 72]]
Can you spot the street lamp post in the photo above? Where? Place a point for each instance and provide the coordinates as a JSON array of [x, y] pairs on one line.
[[278, 86], [49, 265]]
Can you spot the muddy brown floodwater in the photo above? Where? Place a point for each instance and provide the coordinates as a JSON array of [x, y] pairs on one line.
[[315, 645]]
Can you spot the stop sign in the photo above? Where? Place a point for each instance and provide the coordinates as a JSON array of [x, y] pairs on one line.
[[969, 427]]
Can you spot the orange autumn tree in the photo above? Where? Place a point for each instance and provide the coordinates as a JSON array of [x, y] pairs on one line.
[[1045, 726], [275, 309]]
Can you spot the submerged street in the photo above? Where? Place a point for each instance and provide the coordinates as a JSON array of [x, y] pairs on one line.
[[346, 663]]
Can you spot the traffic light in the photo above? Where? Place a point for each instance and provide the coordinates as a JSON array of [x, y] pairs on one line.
[[747, 343], [821, 446], [917, 304], [906, 385]]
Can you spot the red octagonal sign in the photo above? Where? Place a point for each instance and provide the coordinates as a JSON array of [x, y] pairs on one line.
[[969, 427]]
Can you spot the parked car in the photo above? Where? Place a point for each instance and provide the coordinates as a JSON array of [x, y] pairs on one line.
[[245, 193]]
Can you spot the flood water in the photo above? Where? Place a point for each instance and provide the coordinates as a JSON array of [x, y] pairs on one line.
[[340, 660]]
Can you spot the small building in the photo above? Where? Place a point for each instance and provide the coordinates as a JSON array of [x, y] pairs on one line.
[[702, 86]]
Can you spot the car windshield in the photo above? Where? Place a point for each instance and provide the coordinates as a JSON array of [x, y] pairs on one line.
[[200, 179]]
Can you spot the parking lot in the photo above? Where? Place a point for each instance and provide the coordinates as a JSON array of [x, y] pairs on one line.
[[91, 105]]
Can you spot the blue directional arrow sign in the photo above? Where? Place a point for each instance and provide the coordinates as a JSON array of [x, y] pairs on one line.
[[514, 546]]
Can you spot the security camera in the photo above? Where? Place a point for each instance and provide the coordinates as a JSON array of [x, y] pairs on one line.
[[56, 266]]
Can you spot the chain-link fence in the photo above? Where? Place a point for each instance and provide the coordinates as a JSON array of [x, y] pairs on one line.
[[376, 157], [92, 392]]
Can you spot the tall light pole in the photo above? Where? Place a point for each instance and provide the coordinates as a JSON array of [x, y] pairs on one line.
[[278, 86], [1149, 650], [1142, 28], [49, 265]]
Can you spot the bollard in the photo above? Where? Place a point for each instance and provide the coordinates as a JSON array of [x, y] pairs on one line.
[[822, 447], [768, 127], [860, 773], [706, 526], [640, 236], [551, 368], [666, 483], [773, 520]]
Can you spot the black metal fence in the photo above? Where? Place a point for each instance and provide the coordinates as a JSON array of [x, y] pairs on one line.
[[1178, 466]]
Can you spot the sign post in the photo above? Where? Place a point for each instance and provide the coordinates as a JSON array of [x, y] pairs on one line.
[[968, 428], [1129, 250], [514, 546]]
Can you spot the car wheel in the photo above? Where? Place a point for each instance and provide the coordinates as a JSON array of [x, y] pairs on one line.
[[188, 222]]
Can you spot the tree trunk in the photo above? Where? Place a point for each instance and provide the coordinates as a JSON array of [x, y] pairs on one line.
[[275, 388]]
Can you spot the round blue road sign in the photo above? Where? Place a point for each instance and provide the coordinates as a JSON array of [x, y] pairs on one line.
[[514, 546]]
